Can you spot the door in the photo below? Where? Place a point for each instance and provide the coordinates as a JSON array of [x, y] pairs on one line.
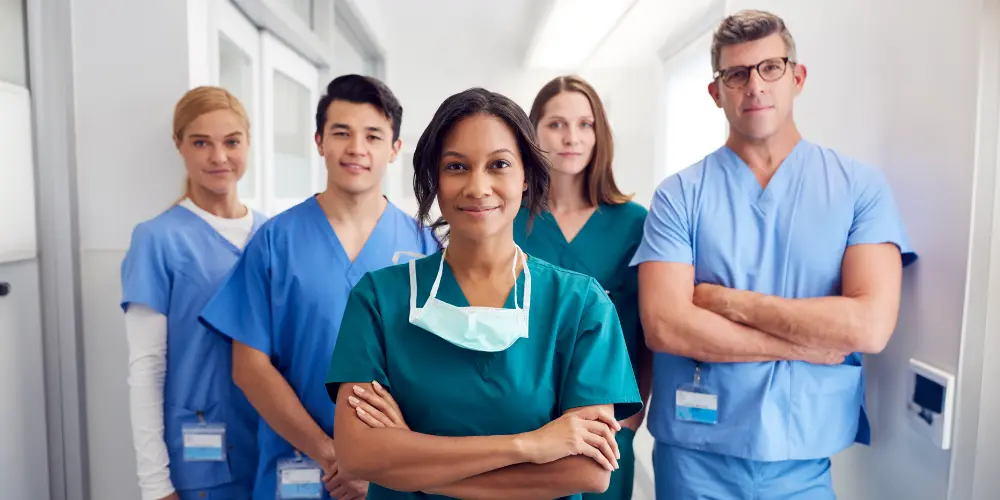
[[23, 444]]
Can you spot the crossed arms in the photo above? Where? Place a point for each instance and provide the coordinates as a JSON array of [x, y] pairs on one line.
[[715, 324]]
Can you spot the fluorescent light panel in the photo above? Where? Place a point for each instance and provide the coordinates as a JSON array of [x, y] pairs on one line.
[[571, 31]]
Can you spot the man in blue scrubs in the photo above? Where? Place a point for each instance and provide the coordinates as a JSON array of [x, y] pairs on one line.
[[766, 270], [292, 283]]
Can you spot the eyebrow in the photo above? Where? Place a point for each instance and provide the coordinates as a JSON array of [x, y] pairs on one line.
[[560, 117], [344, 126], [206, 136], [461, 156]]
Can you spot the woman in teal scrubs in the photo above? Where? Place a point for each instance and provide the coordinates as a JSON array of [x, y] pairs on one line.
[[590, 227], [511, 373]]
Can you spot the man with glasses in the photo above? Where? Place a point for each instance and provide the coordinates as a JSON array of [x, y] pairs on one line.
[[766, 270]]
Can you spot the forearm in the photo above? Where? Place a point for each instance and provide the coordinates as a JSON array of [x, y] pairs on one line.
[[834, 323], [281, 408], [562, 478], [708, 337], [146, 332]]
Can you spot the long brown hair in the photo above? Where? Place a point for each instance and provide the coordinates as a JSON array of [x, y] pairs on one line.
[[199, 101], [599, 181]]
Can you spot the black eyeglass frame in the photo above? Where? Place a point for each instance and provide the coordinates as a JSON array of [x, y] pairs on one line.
[[785, 62]]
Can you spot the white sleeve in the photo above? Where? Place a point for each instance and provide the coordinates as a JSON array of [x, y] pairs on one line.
[[146, 330]]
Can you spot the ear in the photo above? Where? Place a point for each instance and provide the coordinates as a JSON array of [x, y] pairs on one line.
[[177, 142], [799, 76], [713, 90], [396, 146], [319, 143]]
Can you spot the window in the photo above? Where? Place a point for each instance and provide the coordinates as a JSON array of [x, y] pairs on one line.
[[279, 89], [348, 58], [13, 50], [302, 9], [694, 127]]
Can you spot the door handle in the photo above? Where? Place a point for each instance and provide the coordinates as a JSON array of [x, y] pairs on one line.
[[4, 289]]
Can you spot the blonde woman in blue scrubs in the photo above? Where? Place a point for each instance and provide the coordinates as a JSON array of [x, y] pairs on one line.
[[511, 373], [590, 227]]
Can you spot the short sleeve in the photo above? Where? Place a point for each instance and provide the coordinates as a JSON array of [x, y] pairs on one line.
[[146, 279], [241, 308], [359, 355], [599, 370], [876, 217], [431, 245], [666, 233]]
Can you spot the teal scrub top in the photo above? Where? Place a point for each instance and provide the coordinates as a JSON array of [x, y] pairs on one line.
[[602, 249], [574, 356]]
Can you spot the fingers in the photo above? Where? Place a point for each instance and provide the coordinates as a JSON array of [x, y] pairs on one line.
[[604, 432], [328, 475], [599, 414], [364, 410], [378, 400], [367, 418], [596, 454], [604, 441]]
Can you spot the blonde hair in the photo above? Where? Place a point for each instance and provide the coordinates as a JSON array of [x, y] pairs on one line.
[[199, 101]]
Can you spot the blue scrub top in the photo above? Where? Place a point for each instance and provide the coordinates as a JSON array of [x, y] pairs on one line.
[[574, 356], [173, 266], [286, 298], [787, 240]]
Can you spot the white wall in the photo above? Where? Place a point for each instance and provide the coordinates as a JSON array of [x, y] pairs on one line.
[[127, 171], [900, 92]]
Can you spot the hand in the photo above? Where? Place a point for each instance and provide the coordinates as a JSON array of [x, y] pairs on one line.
[[584, 432], [342, 487], [713, 298], [377, 409]]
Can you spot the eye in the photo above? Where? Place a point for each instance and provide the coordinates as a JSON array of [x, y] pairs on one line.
[[233, 143], [500, 164], [340, 133], [554, 125], [199, 143], [454, 167], [587, 125], [374, 138]]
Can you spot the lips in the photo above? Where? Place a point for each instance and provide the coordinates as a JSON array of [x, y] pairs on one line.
[[354, 167], [569, 155], [478, 211]]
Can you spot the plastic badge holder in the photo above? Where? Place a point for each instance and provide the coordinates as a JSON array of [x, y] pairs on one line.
[[299, 478], [204, 442]]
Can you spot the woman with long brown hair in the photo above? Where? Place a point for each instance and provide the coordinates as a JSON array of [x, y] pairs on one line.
[[194, 432], [590, 227]]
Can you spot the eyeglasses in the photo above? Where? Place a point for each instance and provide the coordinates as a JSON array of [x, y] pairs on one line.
[[769, 70]]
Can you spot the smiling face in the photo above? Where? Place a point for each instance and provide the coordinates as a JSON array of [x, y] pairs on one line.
[[566, 132], [356, 146], [481, 178], [758, 109], [214, 147]]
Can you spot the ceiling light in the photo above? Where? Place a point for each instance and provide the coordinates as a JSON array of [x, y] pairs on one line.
[[571, 31]]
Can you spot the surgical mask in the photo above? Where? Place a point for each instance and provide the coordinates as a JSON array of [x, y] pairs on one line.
[[487, 329]]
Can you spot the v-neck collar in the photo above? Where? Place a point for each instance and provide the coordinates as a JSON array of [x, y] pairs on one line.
[[215, 233], [355, 270], [763, 199], [550, 218], [449, 285]]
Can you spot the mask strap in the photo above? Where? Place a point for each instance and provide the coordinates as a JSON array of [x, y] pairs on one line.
[[437, 280], [527, 286], [413, 287]]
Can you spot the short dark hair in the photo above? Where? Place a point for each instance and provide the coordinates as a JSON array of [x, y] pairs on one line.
[[360, 90], [477, 101]]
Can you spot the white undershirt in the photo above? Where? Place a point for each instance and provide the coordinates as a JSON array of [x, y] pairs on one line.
[[146, 331]]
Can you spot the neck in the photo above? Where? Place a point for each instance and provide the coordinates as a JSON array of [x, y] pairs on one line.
[[481, 258], [566, 193], [227, 205], [765, 154], [343, 207]]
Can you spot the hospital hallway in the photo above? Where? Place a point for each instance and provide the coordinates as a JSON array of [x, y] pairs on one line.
[[87, 95]]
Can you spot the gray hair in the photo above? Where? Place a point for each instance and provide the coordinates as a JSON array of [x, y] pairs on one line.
[[747, 26]]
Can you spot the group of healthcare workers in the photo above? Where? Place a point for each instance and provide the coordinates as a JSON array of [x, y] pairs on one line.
[[507, 349]]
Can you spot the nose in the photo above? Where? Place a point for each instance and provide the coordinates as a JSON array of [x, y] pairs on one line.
[[572, 136], [219, 156], [754, 82], [355, 146], [478, 184]]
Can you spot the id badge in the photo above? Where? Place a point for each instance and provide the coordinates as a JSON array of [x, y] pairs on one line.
[[695, 404], [204, 442], [299, 478]]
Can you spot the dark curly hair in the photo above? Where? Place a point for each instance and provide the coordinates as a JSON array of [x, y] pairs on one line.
[[478, 101]]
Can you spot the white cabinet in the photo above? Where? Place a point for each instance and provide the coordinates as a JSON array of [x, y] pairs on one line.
[[17, 185]]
